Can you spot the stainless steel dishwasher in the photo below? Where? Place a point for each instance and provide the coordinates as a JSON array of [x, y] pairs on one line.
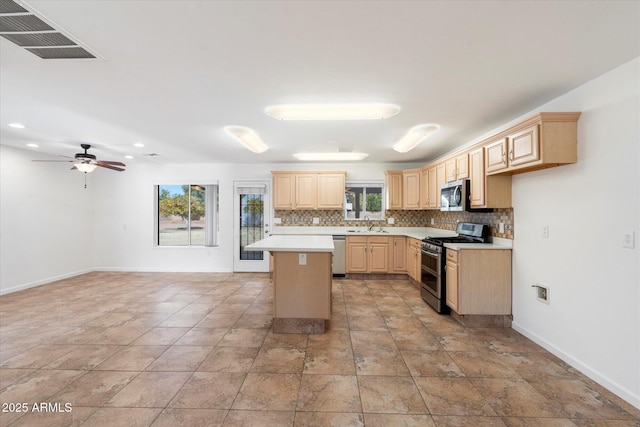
[[339, 255]]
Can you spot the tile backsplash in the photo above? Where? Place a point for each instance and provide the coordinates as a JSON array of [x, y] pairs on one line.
[[403, 218]]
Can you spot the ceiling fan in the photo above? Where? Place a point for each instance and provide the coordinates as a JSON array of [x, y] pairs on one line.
[[85, 162]]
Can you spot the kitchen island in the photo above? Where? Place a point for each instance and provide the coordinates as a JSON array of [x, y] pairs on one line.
[[302, 280]]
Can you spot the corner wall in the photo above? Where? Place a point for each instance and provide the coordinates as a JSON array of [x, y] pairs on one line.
[[593, 318], [46, 219]]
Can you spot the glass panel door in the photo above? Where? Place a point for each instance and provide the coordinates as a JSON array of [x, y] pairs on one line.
[[251, 209]]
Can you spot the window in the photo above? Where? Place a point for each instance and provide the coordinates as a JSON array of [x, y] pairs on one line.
[[364, 200], [187, 215]]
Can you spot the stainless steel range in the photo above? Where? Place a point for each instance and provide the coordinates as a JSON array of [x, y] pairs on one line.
[[433, 282]]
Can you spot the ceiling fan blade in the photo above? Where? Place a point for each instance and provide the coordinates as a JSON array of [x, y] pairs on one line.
[[107, 162], [74, 168], [110, 167]]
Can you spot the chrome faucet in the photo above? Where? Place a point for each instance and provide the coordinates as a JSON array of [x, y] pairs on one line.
[[369, 223]]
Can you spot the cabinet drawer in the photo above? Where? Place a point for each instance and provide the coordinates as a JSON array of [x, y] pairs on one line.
[[452, 255], [357, 239], [379, 239]]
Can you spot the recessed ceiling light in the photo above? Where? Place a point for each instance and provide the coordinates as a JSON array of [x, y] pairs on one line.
[[138, 144], [33, 145], [331, 157], [248, 138], [16, 125], [332, 111], [415, 136], [128, 157]]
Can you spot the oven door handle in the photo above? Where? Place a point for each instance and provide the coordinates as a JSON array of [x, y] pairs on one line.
[[430, 253]]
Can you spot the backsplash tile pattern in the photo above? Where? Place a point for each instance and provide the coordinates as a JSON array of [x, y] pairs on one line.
[[403, 218]]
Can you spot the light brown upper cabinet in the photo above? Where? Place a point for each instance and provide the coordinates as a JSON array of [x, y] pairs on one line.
[[457, 168], [308, 190], [545, 140], [493, 191], [411, 189], [394, 189], [330, 191]]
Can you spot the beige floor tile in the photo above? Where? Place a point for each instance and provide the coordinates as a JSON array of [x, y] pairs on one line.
[[276, 392], [431, 364], [471, 421], [384, 420], [184, 358], [579, 400], [83, 357], [321, 419], [132, 358], [230, 359], [405, 359], [73, 418], [329, 393], [149, 390], [239, 418], [172, 417], [208, 390], [38, 356], [119, 417], [397, 395], [161, 336], [279, 360], [329, 361], [482, 364], [95, 388], [452, 396], [297, 341], [39, 385], [243, 337], [517, 398]]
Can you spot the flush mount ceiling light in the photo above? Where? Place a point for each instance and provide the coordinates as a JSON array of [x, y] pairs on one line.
[[415, 136], [330, 157], [16, 125], [371, 111], [248, 138]]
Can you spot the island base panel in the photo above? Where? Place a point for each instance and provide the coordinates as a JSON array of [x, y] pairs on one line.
[[298, 326]]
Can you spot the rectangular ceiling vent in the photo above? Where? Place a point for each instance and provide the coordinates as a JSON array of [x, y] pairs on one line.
[[31, 32]]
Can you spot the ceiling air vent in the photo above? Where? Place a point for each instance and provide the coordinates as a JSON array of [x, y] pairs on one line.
[[34, 34]]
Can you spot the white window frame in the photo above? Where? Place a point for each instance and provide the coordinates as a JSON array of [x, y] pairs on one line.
[[211, 206], [366, 183]]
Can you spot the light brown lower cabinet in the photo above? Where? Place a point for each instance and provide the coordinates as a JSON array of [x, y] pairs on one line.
[[413, 259], [367, 254], [479, 281], [398, 254]]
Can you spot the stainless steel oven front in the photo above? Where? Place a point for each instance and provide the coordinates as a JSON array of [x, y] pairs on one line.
[[432, 280]]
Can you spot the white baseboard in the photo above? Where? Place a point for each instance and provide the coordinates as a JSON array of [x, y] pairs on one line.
[[43, 281], [612, 386]]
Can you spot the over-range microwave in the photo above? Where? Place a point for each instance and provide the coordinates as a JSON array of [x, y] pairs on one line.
[[455, 197]]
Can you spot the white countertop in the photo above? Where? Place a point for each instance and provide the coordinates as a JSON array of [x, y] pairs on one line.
[[293, 243], [413, 232]]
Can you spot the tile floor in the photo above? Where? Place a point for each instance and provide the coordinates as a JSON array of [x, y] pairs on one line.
[[195, 349]]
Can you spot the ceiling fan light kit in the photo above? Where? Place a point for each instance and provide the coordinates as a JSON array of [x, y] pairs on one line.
[[248, 138], [415, 136], [370, 111], [85, 167]]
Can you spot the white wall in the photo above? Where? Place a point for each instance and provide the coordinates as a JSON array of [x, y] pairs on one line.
[[593, 318], [46, 220], [124, 212]]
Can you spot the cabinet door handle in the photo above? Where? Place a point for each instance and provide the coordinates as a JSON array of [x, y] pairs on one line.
[[511, 155]]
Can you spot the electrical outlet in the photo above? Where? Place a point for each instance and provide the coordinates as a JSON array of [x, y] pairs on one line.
[[316, 220], [302, 259], [629, 240], [391, 221], [542, 293], [433, 221], [501, 227], [545, 232]]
